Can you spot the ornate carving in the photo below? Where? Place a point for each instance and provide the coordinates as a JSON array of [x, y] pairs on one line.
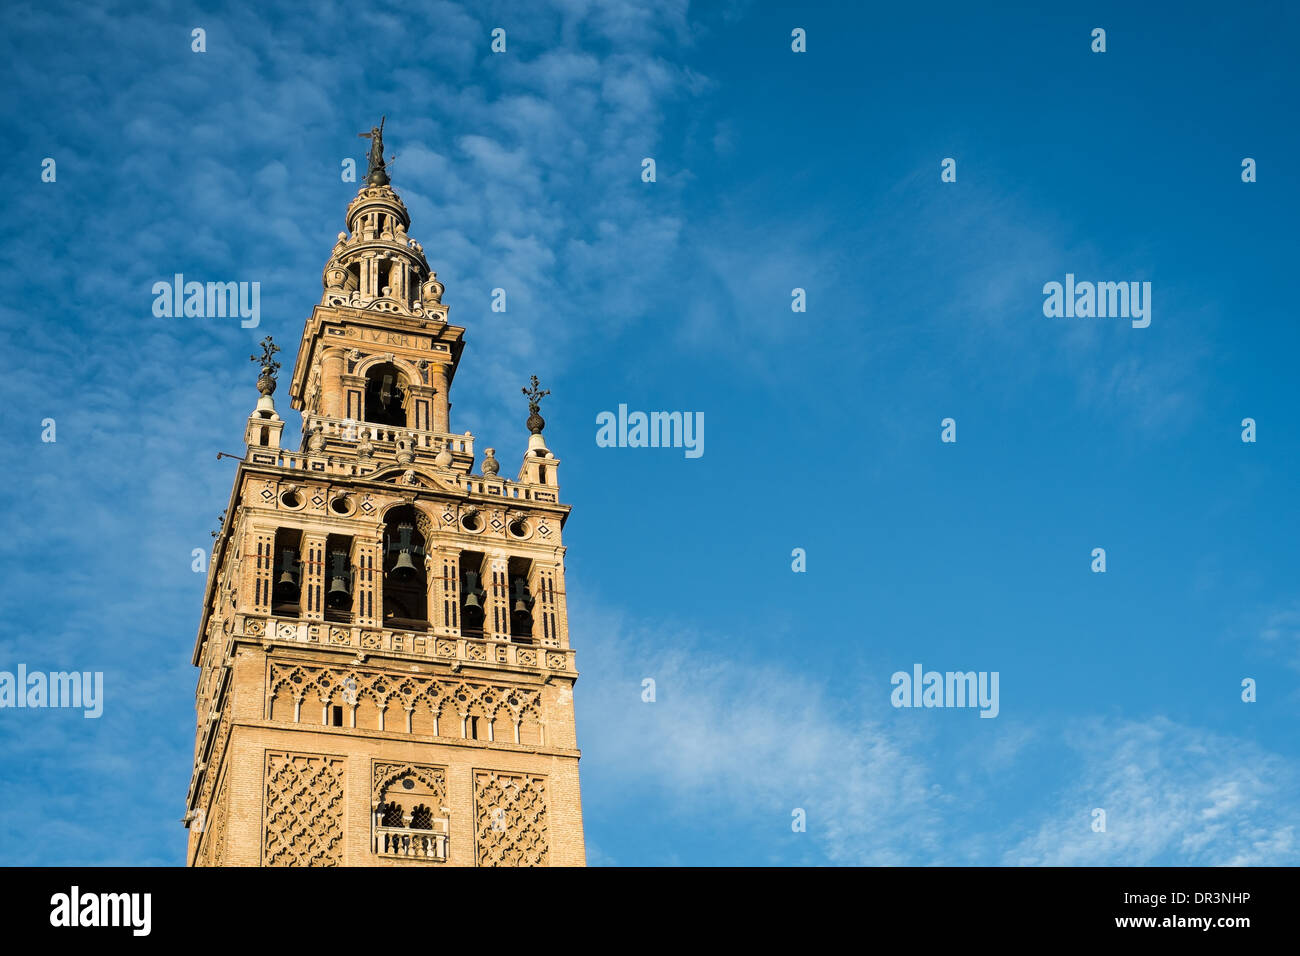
[[406, 448], [449, 700], [510, 819], [315, 437], [424, 526], [304, 810], [387, 774], [431, 291], [213, 849]]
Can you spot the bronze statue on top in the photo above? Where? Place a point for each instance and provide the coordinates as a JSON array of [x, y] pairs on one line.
[[377, 174]]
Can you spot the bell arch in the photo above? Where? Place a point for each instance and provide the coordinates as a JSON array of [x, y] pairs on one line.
[[406, 592], [386, 399]]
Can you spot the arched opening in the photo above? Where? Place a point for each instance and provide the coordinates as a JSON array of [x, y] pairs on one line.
[[286, 573], [521, 601], [386, 396], [473, 595], [338, 578], [406, 593]]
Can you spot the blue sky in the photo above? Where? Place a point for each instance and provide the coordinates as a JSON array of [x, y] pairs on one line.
[[775, 170]]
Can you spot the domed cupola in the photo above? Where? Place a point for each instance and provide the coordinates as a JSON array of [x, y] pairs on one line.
[[375, 265]]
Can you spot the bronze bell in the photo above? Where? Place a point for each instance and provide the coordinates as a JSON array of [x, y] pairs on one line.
[[286, 588], [338, 596], [474, 596], [521, 610], [523, 600], [404, 568]]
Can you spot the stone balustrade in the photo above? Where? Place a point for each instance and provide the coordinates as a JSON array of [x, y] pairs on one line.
[[445, 647], [410, 843]]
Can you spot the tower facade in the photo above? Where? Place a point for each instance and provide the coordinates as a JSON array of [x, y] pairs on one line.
[[385, 671]]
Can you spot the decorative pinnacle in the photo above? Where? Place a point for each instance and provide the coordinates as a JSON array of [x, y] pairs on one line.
[[535, 395], [266, 381], [376, 175]]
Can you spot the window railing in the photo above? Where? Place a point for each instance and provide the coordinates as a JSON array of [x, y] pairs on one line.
[[412, 844]]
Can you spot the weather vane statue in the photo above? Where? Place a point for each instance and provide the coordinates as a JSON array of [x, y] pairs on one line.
[[377, 175], [266, 381], [535, 395]]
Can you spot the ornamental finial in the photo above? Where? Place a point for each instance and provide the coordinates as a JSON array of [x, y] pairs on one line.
[[535, 395], [266, 381]]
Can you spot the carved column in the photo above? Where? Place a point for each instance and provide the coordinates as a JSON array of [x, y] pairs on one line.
[[262, 549], [311, 558], [368, 596], [541, 584], [444, 593], [496, 624]]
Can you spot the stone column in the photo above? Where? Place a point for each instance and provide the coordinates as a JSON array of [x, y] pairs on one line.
[[311, 560], [444, 593], [261, 548], [368, 591], [438, 376], [496, 624], [331, 384]]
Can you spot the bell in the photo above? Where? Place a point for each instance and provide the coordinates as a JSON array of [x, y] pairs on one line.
[[473, 600], [338, 596], [523, 600], [286, 588], [404, 568], [521, 609]]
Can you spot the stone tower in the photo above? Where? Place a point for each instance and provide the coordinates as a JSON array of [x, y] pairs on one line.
[[385, 671]]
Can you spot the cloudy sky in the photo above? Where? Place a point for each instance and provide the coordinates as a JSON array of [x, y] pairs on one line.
[[775, 171]]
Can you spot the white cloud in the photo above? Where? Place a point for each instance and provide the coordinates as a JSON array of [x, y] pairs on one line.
[[762, 739], [1172, 795]]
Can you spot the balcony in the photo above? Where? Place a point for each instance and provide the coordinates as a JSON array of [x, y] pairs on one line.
[[384, 436], [408, 844]]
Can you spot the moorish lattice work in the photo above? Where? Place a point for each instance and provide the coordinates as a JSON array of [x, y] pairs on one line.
[[304, 810], [214, 830], [510, 817]]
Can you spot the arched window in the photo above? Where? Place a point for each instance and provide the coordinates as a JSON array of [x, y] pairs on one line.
[[406, 593], [385, 396]]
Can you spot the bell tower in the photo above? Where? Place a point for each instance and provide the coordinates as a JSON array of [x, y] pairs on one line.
[[385, 676]]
